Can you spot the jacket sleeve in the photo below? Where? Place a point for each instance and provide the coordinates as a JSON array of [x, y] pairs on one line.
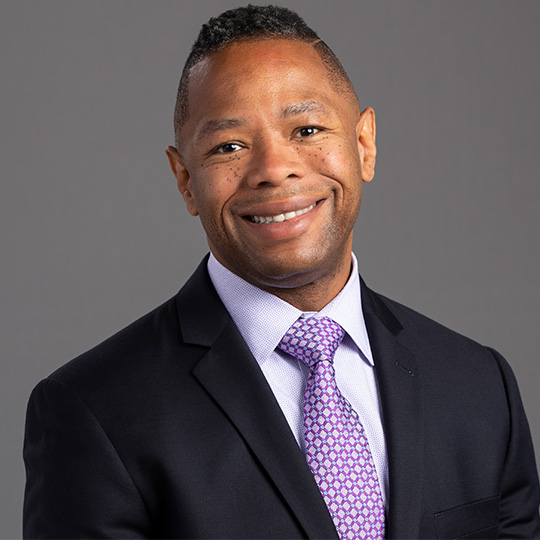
[[77, 485], [520, 492]]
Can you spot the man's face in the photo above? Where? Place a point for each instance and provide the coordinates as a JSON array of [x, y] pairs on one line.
[[272, 159]]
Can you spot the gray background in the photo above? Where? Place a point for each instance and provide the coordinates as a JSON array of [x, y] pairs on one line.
[[94, 233]]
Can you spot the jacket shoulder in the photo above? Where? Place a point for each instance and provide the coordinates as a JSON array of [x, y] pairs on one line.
[[419, 331], [151, 336]]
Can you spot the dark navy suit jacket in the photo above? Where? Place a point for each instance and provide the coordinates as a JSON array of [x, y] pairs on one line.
[[170, 430]]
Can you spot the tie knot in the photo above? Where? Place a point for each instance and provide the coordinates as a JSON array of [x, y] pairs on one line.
[[312, 340]]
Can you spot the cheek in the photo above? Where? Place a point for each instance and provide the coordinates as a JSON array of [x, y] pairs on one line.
[[213, 189], [336, 161]]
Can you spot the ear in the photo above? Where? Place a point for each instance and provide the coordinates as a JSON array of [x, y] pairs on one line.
[[365, 133], [179, 169]]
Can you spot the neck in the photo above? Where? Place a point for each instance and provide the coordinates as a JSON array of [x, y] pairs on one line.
[[315, 295]]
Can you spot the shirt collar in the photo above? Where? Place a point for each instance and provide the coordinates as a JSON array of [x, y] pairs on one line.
[[262, 318]]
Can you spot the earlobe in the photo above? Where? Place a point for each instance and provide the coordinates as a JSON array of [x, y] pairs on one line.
[[366, 133], [183, 179]]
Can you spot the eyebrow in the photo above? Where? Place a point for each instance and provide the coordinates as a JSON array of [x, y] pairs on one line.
[[219, 124], [303, 107]]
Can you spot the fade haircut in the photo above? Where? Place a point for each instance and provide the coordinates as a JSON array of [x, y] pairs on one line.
[[252, 23]]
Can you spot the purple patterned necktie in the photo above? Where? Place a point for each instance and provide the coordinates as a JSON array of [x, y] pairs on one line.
[[337, 449]]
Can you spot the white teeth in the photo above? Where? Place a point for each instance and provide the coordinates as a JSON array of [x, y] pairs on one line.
[[281, 217]]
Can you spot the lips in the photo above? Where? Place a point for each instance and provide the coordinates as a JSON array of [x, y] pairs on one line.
[[279, 218]]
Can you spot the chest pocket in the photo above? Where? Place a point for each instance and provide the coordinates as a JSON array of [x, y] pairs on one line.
[[479, 519]]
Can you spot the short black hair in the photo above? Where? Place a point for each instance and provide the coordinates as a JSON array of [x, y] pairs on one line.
[[253, 23]]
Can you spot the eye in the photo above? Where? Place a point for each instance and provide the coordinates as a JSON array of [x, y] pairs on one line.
[[307, 131], [227, 148]]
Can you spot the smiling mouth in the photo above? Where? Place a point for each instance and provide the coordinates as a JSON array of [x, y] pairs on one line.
[[279, 218]]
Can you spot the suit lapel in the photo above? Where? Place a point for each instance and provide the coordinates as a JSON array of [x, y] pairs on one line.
[[399, 381], [231, 375]]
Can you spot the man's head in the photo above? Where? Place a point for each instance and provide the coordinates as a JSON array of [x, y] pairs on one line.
[[272, 151]]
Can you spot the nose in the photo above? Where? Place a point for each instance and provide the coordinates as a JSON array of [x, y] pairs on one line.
[[273, 163]]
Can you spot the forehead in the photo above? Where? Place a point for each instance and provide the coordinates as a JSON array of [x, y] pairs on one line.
[[267, 72]]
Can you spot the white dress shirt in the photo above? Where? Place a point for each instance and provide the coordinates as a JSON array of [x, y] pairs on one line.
[[263, 318]]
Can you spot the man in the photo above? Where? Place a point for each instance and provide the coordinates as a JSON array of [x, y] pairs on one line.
[[276, 396]]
